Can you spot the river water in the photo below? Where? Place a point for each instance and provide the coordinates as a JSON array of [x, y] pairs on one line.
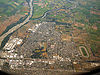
[[23, 19]]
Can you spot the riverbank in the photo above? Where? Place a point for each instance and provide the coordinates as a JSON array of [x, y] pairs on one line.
[[10, 31]]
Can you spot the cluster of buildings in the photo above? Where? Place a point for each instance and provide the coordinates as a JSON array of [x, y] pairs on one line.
[[10, 45], [9, 54], [35, 27], [44, 39]]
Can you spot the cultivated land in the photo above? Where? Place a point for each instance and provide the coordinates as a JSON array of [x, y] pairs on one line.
[[57, 36]]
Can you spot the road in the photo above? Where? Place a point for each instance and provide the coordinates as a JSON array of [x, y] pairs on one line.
[[19, 25]]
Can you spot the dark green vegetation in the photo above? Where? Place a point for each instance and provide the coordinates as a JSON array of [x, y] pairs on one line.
[[84, 52], [37, 53], [39, 11], [43, 6], [14, 24], [10, 7], [88, 13]]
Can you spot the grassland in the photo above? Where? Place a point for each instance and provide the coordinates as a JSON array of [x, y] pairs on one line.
[[84, 52], [88, 13], [9, 8]]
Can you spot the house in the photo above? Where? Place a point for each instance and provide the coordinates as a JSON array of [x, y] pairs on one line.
[[12, 43]]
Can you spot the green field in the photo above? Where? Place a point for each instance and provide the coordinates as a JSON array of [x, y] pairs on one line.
[[82, 14], [9, 8], [38, 11], [4, 1], [84, 52]]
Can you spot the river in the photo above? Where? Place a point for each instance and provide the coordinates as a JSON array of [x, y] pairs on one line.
[[4, 37]]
